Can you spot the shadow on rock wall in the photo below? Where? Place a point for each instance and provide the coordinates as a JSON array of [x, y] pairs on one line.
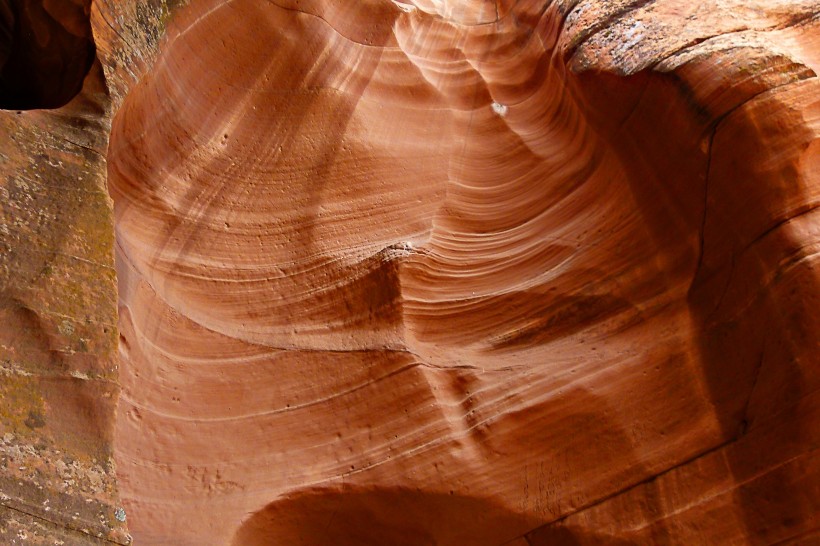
[[46, 50]]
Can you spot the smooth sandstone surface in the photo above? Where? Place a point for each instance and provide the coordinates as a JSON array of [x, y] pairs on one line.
[[465, 272]]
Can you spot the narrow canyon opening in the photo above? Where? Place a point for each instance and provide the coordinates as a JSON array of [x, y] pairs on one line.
[[46, 51]]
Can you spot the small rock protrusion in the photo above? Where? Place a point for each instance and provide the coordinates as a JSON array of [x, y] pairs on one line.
[[407, 8]]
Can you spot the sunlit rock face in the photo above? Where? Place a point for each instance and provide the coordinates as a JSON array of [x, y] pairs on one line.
[[470, 272]]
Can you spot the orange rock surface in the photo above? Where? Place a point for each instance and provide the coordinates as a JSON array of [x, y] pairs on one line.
[[467, 272]]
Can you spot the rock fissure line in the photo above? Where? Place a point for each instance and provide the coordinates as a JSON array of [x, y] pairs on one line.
[[704, 219], [635, 485], [61, 525], [745, 425]]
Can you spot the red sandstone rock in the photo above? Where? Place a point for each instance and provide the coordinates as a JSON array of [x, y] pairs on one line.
[[467, 272]]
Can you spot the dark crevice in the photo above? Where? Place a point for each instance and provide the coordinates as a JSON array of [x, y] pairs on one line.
[[719, 302], [744, 423], [84, 147], [806, 209], [46, 51]]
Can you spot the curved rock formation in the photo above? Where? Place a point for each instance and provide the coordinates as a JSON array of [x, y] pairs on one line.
[[466, 271], [471, 273]]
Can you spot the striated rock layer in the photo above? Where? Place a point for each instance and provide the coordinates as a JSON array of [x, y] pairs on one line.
[[471, 272], [466, 272]]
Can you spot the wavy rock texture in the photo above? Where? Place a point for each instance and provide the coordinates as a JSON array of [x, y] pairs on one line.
[[471, 272]]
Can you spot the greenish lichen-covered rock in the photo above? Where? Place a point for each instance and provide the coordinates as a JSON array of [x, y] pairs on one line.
[[58, 293]]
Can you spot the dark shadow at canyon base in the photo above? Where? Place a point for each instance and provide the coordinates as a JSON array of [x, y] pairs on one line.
[[362, 516], [365, 515]]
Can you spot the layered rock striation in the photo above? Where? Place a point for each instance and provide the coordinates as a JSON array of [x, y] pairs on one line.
[[466, 272], [471, 273]]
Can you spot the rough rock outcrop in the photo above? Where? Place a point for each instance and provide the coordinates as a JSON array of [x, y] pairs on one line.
[[466, 272], [58, 299], [58, 333]]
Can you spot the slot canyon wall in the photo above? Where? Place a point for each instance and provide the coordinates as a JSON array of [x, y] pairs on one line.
[[430, 272]]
